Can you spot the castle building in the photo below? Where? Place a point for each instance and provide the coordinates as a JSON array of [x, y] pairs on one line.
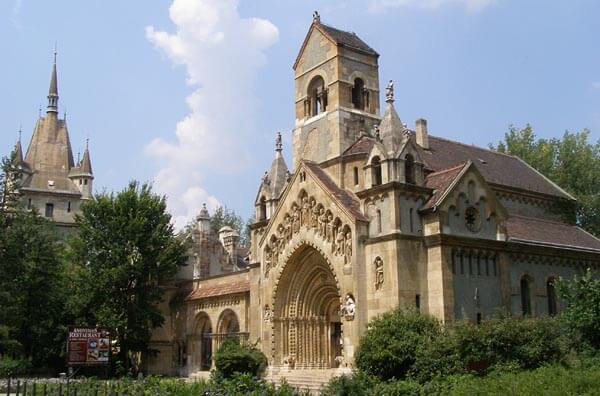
[[374, 215], [51, 181]]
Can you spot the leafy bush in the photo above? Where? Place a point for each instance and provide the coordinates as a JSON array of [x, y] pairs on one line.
[[506, 344], [389, 347], [233, 357], [355, 385], [13, 366], [582, 312]]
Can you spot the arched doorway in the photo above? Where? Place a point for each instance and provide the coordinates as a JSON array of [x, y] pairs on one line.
[[202, 354], [307, 326]]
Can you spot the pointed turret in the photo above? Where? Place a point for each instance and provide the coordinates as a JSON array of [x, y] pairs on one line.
[[391, 129], [273, 183], [18, 151], [203, 220], [85, 166], [82, 175], [53, 91]]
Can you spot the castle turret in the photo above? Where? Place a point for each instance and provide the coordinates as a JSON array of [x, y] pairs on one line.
[[82, 174], [272, 184], [203, 220]]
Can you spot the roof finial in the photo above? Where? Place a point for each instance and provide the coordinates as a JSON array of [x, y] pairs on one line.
[[20, 131], [87, 143], [39, 111], [55, 51], [65, 114], [389, 92], [79, 157], [278, 144], [53, 91], [316, 17]]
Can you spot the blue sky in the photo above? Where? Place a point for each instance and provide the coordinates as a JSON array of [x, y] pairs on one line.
[[189, 93]]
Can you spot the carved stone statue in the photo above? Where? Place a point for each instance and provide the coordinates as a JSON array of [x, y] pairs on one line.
[[296, 219], [378, 264], [389, 92], [268, 261], [348, 308], [330, 228], [340, 242], [268, 313], [305, 212], [314, 218], [322, 222], [348, 248]]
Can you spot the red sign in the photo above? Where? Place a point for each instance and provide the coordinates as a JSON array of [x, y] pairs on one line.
[[88, 347]]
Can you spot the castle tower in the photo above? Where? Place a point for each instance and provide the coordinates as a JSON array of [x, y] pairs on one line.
[[52, 183], [336, 92]]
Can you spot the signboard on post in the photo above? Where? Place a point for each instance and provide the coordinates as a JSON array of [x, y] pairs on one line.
[[88, 346]]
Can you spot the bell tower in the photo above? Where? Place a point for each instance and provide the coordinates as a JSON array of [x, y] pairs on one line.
[[336, 92]]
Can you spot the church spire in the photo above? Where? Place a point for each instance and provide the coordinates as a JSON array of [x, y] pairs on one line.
[[53, 91], [18, 150]]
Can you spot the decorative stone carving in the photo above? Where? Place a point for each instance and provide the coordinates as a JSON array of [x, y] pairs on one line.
[[267, 313], [348, 308], [308, 213], [378, 264], [389, 92]]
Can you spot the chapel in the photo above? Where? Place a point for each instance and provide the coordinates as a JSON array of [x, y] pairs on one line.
[[372, 214]]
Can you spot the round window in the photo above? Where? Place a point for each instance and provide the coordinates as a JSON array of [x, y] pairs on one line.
[[472, 219]]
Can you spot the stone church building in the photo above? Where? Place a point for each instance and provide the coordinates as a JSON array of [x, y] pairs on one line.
[[375, 214]]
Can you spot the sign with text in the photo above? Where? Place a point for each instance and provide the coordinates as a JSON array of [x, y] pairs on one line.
[[88, 346]]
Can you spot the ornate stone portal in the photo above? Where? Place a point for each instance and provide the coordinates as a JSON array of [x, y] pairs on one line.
[[307, 330]]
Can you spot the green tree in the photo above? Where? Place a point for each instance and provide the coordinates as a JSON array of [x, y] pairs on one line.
[[582, 311], [572, 162], [126, 252], [223, 216], [32, 280], [388, 349]]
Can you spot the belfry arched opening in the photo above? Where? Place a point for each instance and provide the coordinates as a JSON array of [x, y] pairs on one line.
[[306, 323]]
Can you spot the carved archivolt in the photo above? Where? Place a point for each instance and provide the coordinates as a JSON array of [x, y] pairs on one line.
[[307, 213]]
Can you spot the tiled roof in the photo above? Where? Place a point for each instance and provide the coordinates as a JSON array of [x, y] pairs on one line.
[[347, 39], [363, 145], [223, 289], [551, 232], [439, 182], [346, 198], [495, 167]]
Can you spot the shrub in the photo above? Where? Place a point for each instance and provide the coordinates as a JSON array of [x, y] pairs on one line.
[[235, 357], [356, 385], [13, 366], [389, 347], [397, 388], [505, 344], [582, 312]]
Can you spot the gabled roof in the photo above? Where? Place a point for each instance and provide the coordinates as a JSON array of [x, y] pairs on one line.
[[534, 230], [339, 37], [441, 183], [363, 145], [345, 198], [496, 168]]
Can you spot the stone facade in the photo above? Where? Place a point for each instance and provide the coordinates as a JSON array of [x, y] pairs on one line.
[[375, 215]]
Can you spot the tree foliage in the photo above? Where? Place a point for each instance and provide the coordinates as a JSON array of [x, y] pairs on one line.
[[32, 280], [126, 250], [388, 348], [582, 311], [223, 216], [572, 162], [234, 357]]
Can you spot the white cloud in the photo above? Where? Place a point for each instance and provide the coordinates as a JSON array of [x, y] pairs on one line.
[[16, 13], [596, 85], [471, 6], [222, 53]]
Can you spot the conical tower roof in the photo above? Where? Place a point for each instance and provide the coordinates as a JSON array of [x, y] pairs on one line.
[[391, 128], [276, 177]]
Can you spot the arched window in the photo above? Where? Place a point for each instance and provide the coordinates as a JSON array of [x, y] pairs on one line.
[[355, 176], [262, 210], [316, 101], [375, 171], [379, 221], [358, 94], [409, 169], [552, 299], [526, 296]]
